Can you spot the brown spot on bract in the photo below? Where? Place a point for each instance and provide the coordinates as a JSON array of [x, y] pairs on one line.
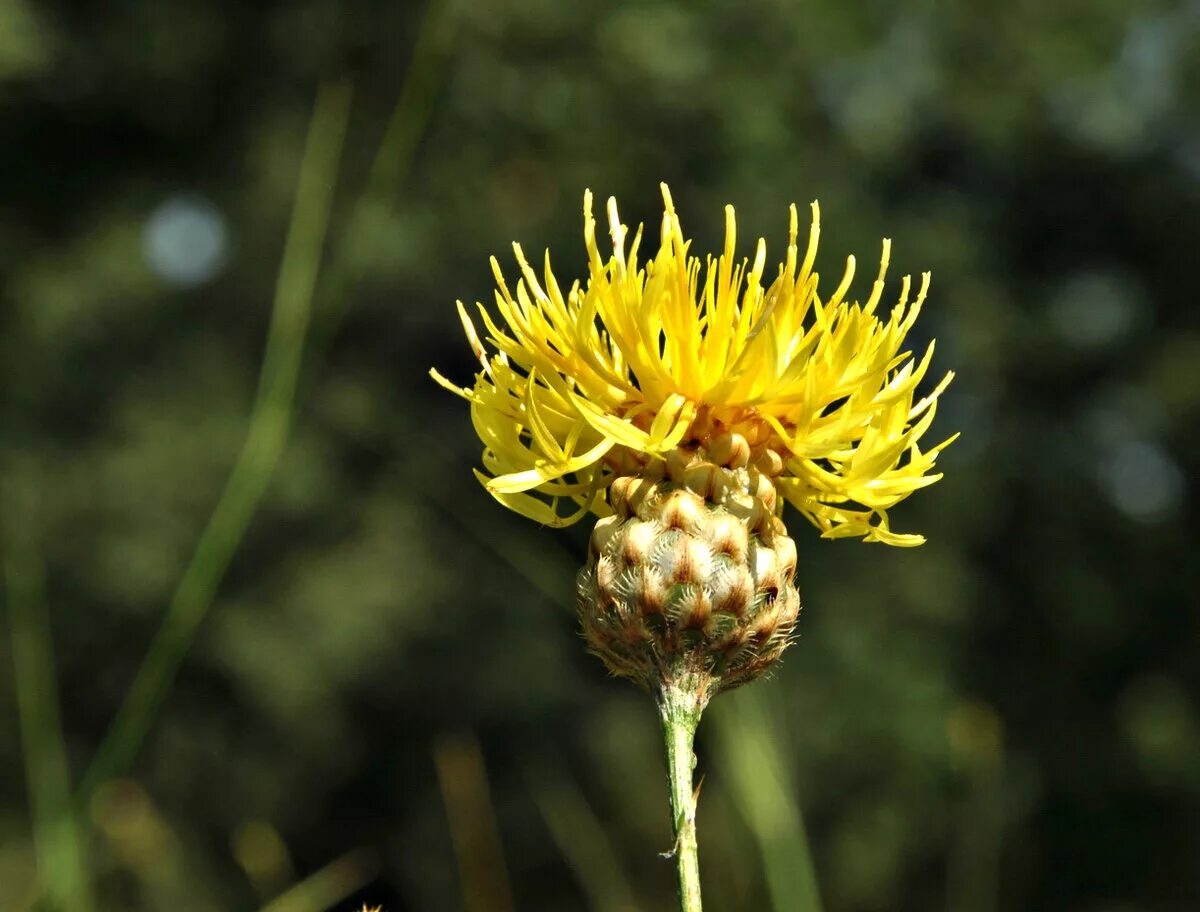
[[738, 594], [698, 610], [729, 537], [681, 511], [635, 634], [654, 593], [764, 625], [639, 539], [682, 567], [785, 556], [606, 574]]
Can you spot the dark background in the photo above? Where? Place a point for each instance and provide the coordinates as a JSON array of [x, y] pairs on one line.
[[388, 694]]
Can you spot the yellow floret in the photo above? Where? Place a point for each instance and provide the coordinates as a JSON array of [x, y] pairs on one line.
[[642, 360]]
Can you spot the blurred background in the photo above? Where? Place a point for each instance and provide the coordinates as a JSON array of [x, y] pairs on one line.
[[365, 683]]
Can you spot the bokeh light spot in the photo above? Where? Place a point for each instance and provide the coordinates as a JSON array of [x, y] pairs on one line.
[[1093, 310], [1142, 481], [186, 241]]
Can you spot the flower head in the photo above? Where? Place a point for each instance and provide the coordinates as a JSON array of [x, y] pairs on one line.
[[640, 362]]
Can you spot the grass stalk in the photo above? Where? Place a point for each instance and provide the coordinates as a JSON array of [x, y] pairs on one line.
[[462, 778], [580, 836], [391, 163], [59, 849], [295, 292], [328, 886], [270, 422], [763, 787]]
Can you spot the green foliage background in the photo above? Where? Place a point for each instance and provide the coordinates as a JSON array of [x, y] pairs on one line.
[[387, 695]]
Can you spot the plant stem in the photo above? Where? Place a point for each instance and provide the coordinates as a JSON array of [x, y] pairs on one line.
[[680, 706]]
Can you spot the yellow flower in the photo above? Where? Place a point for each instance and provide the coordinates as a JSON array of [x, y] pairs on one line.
[[598, 381]]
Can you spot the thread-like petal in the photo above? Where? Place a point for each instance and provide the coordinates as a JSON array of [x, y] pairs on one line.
[[636, 362]]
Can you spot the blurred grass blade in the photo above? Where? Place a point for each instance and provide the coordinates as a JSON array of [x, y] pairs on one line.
[[411, 114], [143, 845], [762, 784], [976, 736], [59, 851], [269, 425], [580, 836], [462, 778], [392, 160], [263, 855], [328, 886]]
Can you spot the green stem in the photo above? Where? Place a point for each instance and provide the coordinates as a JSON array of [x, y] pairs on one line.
[[680, 707]]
